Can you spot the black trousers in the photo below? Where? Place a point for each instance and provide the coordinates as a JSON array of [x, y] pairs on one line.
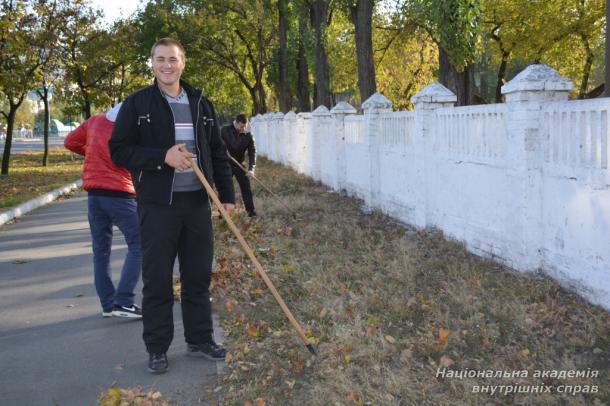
[[244, 186], [183, 229]]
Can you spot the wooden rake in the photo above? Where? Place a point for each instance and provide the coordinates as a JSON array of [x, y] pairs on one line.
[[312, 348]]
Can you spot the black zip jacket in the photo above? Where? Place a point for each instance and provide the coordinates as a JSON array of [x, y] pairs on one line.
[[143, 132], [237, 144]]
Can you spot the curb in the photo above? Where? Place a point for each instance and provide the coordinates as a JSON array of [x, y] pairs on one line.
[[37, 202]]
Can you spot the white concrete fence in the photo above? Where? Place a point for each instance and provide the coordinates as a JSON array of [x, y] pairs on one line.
[[525, 182]]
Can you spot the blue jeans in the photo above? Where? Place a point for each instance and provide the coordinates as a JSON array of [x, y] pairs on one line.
[[104, 212]]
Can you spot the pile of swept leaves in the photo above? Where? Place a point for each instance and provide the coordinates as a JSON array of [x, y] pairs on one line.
[[28, 178], [131, 397], [391, 308]]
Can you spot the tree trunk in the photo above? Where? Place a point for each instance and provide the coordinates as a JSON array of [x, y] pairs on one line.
[[10, 124], [607, 55], [465, 86], [584, 84], [501, 76], [284, 90], [45, 99], [362, 18], [86, 105], [303, 70], [460, 83], [319, 12], [444, 70]]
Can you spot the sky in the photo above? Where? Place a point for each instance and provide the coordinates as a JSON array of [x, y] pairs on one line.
[[114, 9]]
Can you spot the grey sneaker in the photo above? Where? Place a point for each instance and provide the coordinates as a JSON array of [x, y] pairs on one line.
[[131, 312]]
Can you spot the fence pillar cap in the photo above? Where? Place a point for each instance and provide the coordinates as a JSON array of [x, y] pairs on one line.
[[322, 110], [268, 116], [538, 77], [290, 116], [343, 108], [377, 102], [277, 116], [434, 93]]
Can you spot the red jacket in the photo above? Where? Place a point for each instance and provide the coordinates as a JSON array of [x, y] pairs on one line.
[[99, 172]]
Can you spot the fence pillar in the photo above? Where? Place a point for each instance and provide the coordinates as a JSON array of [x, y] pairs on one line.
[[525, 95], [320, 117], [290, 120], [430, 98], [339, 112], [373, 107]]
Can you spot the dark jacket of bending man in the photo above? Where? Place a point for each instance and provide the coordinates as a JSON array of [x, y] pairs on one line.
[[240, 140]]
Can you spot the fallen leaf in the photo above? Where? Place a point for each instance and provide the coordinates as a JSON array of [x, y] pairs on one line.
[[260, 402], [323, 313], [156, 396], [70, 306], [347, 359], [229, 357], [290, 383], [119, 367], [312, 338], [442, 336], [372, 321], [352, 397], [445, 361], [229, 306], [252, 331], [248, 403], [390, 339], [288, 268], [370, 331], [525, 352]]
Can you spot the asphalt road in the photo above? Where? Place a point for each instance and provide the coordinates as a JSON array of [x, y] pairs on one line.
[[20, 145], [55, 347]]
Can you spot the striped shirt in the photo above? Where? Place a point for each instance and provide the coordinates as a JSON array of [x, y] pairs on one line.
[[186, 180]]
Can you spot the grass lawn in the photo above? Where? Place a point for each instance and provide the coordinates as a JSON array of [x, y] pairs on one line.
[[401, 316], [27, 177]]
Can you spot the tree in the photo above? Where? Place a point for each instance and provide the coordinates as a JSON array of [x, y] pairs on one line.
[[50, 19], [302, 65], [454, 26], [320, 19], [607, 53], [19, 64], [87, 51], [362, 17], [284, 97]]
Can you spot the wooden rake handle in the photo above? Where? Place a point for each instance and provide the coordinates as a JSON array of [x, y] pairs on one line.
[[257, 264], [243, 168]]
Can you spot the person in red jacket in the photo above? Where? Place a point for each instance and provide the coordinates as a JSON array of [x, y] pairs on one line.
[[111, 201]]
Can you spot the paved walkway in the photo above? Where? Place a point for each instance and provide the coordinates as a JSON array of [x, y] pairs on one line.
[[55, 347]]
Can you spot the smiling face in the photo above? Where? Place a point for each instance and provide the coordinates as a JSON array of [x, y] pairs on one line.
[[168, 64]]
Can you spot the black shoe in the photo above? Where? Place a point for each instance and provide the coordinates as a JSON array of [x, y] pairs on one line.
[[157, 363], [252, 214], [132, 312], [208, 349]]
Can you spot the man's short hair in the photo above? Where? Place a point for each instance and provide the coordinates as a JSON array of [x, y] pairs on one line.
[[241, 118], [167, 42]]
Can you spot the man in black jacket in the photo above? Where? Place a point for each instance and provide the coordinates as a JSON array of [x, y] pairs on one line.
[[159, 131], [239, 140]]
